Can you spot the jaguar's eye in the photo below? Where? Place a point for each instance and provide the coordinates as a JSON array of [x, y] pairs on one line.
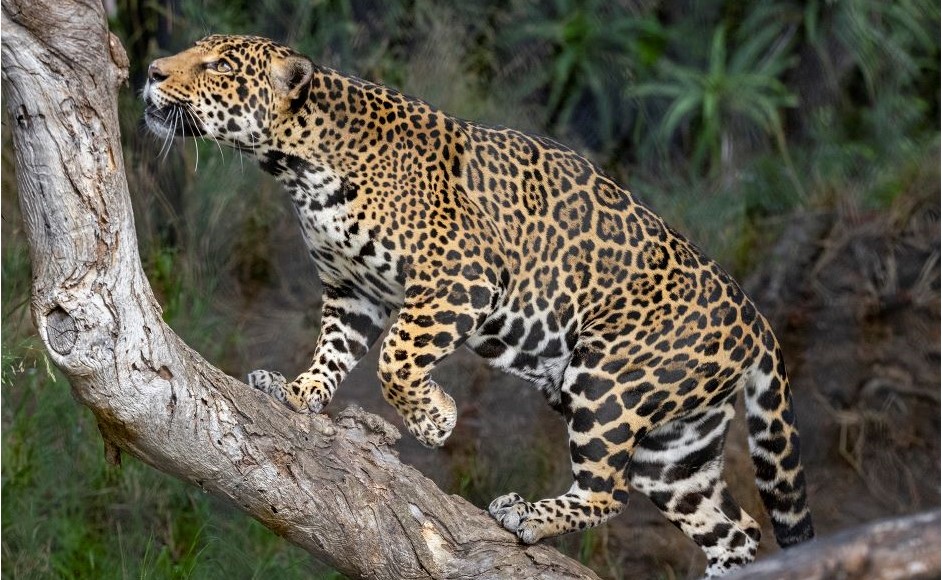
[[219, 66]]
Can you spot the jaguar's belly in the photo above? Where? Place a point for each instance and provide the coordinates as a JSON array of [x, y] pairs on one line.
[[532, 346]]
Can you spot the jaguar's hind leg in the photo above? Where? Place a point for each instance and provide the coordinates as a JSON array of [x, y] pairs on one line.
[[680, 467], [591, 500], [601, 436]]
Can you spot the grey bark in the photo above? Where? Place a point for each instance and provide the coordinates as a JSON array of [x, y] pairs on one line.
[[334, 488], [906, 547]]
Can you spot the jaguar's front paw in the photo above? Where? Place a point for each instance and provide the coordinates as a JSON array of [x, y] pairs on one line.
[[270, 382], [304, 394], [433, 422]]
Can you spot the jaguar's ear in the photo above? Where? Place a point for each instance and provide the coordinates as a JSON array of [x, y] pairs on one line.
[[289, 75]]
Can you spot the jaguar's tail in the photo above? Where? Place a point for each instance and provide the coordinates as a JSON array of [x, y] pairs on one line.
[[774, 446]]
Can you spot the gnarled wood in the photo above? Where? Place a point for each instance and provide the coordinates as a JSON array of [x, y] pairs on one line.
[[335, 489]]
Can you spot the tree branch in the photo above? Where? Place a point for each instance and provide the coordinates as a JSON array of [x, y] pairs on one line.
[[906, 547], [335, 489]]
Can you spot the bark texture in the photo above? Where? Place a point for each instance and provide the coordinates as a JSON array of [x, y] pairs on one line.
[[334, 488]]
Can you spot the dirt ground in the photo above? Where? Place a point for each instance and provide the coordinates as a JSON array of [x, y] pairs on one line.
[[854, 299]]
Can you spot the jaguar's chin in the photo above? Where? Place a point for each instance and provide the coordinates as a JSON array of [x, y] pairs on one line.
[[172, 120]]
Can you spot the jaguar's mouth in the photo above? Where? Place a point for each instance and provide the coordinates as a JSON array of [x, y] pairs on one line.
[[175, 120]]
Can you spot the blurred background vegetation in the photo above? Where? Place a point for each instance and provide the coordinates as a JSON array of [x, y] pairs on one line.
[[728, 117]]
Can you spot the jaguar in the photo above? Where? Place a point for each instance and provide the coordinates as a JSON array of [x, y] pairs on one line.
[[520, 249]]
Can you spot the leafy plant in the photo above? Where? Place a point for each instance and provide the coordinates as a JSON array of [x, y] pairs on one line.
[[707, 100], [890, 43], [593, 49], [738, 84]]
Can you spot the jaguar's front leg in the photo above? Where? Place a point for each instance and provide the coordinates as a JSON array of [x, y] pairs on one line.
[[439, 314], [350, 324]]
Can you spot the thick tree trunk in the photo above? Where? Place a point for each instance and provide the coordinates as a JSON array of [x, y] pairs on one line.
[[335, 489]]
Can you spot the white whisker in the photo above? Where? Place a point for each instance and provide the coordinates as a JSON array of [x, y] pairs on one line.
[[196, 143], [167, 136], [163, 144], [254, 143], [170, 134], [196, 146], [173, 133], [196, 120]]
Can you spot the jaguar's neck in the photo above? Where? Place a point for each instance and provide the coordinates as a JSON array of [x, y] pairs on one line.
[[348, 125]]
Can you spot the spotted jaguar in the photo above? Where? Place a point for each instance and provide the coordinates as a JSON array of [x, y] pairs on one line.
[[525, 252]]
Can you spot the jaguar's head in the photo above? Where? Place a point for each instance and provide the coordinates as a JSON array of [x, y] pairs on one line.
[[231, 88]]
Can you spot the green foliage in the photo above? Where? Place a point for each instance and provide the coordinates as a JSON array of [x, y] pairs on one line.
[[592, 51], [588, 545], [735, 84], [870, 157], [481, 477], [890, 43]]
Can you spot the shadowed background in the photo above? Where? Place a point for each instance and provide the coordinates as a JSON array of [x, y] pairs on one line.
[[796, 142]]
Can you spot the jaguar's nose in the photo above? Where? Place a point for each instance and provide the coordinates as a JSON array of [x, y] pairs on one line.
[[154, 72]]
